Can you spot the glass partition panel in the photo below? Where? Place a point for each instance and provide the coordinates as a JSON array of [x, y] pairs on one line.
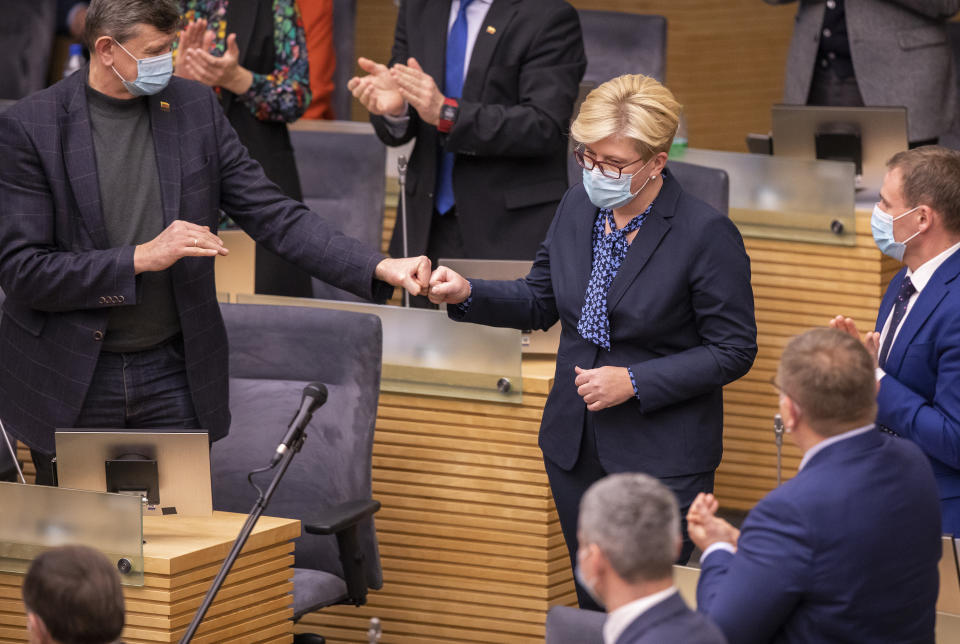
[[785, 198], [38, 517], [424, 352]]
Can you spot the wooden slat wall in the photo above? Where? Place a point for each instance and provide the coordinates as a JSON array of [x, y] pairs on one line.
[[469, 537], [725, 59]]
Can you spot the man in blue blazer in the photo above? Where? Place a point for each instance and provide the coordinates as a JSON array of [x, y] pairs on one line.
[[110, 183], [847, 550], [917, 333], [629, 536]]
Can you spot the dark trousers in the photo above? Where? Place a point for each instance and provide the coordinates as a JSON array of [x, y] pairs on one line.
[[139, 390], [568, 487], [445, 241]]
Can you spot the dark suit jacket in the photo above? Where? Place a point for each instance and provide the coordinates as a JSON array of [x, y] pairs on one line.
[[681, 315], [846, 551], [920, 395], [510, 135], [671, 621], [61, 277]]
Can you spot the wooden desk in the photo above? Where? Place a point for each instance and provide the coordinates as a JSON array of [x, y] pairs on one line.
[[181, 557]]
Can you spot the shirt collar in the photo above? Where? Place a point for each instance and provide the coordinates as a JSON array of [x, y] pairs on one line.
[[827, 442], [618, 621], [924, 272]]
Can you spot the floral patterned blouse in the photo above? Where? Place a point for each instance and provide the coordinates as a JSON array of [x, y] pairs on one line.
[[284, 94]]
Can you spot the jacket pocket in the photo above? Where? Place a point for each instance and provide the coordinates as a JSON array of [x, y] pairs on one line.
[[919, 37], [30, 320]]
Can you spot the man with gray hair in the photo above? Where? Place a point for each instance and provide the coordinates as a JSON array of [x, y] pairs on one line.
[[847, 550], [629, 537], [112, 182]]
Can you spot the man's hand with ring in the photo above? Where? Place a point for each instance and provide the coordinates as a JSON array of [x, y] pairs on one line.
[[179, 239]]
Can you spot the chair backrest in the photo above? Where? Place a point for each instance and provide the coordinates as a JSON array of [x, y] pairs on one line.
[[344, 33], [567, 625], [707, 184], [619, 43], [342, 168], [274, 352], [951, 138]]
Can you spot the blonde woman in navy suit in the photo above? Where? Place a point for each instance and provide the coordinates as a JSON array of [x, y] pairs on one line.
[[651, 287]]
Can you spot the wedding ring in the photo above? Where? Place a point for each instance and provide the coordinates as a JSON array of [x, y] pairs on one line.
[[196, 241]]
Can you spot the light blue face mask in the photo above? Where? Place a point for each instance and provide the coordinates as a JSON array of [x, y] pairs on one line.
[[153, 74], [587, 586], [605, 192], [882, 225]]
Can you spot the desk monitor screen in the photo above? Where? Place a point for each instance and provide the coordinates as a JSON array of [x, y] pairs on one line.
[[182, 459], [882, 132], [504, 269]]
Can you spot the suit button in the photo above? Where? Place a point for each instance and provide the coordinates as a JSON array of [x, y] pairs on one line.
[[102, 300], [114, 299], [98, 335], [120, 300]]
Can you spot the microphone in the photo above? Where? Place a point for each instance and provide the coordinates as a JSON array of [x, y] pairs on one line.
[[314, 395]]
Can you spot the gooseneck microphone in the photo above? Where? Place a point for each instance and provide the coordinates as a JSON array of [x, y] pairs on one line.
[[314, 395]]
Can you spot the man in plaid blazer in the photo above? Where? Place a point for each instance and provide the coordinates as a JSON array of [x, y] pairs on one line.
[[71, 288]]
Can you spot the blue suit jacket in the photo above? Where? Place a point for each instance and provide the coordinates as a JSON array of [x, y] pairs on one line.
[[61, 277], [681, 315], [846, 551], [671, 621], [920, 395]]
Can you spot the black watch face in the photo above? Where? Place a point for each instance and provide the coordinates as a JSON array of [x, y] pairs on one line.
[[448, 113]]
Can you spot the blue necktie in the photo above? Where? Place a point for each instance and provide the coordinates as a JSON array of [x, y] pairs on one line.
[[452, 88], [907, 289]]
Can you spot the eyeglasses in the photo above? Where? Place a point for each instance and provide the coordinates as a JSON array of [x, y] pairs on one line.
[[607, 169]]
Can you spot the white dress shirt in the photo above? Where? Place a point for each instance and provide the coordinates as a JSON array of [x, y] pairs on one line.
[[476, 12], [809, 454], [920, 278], [620, 619]]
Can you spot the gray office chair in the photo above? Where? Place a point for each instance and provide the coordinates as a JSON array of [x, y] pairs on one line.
[[274, 352], [342, 170], [952, 138], [566, 625], [344, 30], [707, 184], [619, 43]]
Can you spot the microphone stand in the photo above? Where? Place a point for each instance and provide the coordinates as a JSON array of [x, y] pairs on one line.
[[13, 452], [402, 174], [778, 437], [245, 532]]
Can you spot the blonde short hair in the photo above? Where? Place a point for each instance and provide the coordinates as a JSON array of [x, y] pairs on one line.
[[634, 107]]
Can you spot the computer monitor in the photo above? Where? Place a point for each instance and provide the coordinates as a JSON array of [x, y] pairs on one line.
[[504, 269], [181, 457], [873, 133]]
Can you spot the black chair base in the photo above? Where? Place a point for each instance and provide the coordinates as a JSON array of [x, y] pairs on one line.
[[308, 638]]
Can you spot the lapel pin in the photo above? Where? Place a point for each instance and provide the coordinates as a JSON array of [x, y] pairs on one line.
[[491, 29], [164, 106]]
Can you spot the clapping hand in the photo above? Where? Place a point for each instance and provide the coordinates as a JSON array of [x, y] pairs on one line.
[[419, 89], [194, 60], [871, 340], [705, 527], [377, 91]]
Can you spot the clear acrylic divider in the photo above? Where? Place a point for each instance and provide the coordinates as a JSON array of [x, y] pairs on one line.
[[786, 198], [424, 352], [39, 517]]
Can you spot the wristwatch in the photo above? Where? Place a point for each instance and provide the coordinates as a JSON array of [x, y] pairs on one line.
[[448, 114]]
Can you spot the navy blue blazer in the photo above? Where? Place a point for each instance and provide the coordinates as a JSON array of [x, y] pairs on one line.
[[846, 551], [671, 621], [61, 277], [920, 396], [681, 316]]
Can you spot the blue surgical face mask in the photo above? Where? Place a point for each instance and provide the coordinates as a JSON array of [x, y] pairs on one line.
[[605, 192], [882, 225], [153, 74]]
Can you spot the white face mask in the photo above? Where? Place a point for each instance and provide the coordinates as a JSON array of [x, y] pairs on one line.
[[881, 224], [582, 580], [153, 74], [605, 192]]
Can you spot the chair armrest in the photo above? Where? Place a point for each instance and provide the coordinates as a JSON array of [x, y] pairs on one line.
[[340, 517]]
